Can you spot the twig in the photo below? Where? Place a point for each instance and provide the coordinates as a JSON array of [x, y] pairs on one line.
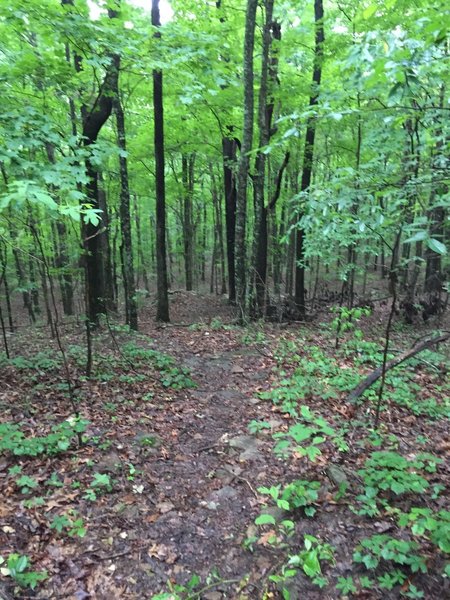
[[239, 478]]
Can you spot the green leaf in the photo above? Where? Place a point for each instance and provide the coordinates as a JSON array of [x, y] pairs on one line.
[[397, 488], [436, 246], [311, 565], [369, 11], [21, 564], [417, 237], [265, 519]]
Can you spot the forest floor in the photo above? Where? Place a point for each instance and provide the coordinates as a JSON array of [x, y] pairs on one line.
[[185, 424]]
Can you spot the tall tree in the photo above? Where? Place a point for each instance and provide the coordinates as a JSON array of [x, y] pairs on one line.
[[94, 118], [126, 247], [244, 161], [308, 154], [162, 306]]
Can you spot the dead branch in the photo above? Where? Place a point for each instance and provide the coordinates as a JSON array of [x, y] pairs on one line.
[[375, 375]]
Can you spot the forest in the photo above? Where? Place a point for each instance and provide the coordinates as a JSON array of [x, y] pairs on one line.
[[224, 299]]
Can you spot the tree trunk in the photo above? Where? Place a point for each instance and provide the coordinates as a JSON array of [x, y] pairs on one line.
[[229, 148], [241, 202], [93, 120], [141, 265], [308, 155], [265, 111], [434, 278], [162, 307], [187, 176], [126, 247]]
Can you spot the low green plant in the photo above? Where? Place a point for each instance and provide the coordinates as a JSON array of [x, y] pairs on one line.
[[54, 481], [17, 567], [346, 585], [101, 484], [316, 374], [14, 441], [34, 502], [395, 556], [387, 470], [297, 494], [382, 547], [309, 561], [389, 473], [26, 484], [347, 318], [257, 426], [70, 524], [41, 361], [216, 324], [194, 589], [172, 376], [305, 436], [424, 522]]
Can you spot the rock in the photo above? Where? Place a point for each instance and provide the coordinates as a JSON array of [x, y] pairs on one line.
[[337, 475], [212, 596], [225, 493], [165, 507], [277, 513], [247, 443], [109, 463]]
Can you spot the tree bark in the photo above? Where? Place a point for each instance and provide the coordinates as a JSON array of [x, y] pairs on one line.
[[229, 149], [308, 155], [265, 110], [244, 162], [187, 176], [126, 247], [162, 306], [93, 120]]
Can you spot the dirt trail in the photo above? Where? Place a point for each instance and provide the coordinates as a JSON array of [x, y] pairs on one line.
[[213, 465]]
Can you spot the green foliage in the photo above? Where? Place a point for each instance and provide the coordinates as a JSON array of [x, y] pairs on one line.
[[308, 560], [193, 589], [390, 472], [346, 585], [14, 441], [26, 484], [101, 484], [172, 376], [41, 361], [387, 470], [426, 523], [297, 494], [17, 567], [257, 426], [306, 436], [370, 551], [70, 524], [317, 375]]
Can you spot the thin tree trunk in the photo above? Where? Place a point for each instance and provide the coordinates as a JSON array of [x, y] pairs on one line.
[[187, 176], [126, 247], [162, 307], [265, 110], [244, 162], [308, 155], [141, 264], [4, 279], [229, 148]]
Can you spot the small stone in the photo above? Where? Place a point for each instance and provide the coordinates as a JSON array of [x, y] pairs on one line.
[[165, 507]]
